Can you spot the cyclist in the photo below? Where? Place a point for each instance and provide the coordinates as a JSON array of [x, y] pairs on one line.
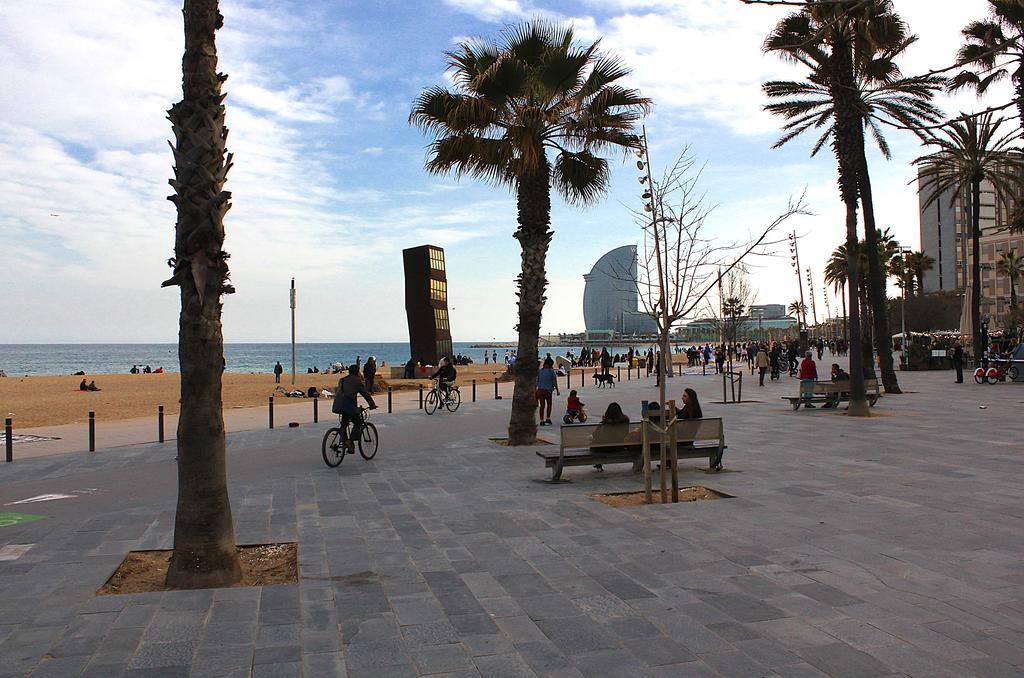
[[346, 404], [445, 376]]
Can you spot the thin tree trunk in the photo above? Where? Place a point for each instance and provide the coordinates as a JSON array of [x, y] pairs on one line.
[[846, 334], [204, 538], [533, 198], [979, 348], [876, 281]]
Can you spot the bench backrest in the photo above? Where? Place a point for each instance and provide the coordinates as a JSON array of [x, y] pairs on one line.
[[821, 387], [573, 436]]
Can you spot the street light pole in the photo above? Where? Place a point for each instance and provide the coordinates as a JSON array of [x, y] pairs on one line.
[[291, 299]]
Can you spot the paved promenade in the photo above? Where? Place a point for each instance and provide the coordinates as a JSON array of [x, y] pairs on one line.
[[853, 548]]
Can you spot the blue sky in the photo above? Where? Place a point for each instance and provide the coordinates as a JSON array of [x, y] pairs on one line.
[[328, 184]]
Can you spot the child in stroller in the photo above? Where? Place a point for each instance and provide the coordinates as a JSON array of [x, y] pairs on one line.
[[574, 410]]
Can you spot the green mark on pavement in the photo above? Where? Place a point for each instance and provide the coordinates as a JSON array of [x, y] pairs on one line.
[[9, 519]]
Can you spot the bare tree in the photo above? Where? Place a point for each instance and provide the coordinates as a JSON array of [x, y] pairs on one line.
[[730, 313], [679, 261]]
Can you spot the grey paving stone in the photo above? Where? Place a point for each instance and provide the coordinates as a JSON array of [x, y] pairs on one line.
[[278, 670], [659, 650], [277, 654], [323, 665], [826, 594], [154, 655], [744, 608], [483, 644], [229, 633], [842, 661], [60, 667], [608, 663], [221, 660], [431, 659], [434, 633], [278, 634], [575, 635], [548, 606], [509, 665]]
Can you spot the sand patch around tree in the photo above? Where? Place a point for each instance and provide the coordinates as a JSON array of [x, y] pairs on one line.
[[262, 565], [686, 494]]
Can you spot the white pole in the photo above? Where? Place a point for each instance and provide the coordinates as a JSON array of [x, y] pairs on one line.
[[292, 303]]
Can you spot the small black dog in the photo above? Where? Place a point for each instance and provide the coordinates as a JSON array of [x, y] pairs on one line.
[[602, 380]]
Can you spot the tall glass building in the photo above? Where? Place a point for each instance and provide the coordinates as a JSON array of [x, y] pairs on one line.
[[610, 300]]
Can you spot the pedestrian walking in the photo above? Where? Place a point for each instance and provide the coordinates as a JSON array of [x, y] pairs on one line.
[[762, 362], [369, 372]]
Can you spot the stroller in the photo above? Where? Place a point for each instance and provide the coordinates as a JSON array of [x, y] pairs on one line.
[[775, 371], [574, 415]]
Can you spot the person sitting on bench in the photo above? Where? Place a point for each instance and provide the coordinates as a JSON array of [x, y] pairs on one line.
[[691, 406], [839, 374], [614, 428]]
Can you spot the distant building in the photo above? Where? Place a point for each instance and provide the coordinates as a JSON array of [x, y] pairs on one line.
[[946, 237], [767, 311], [610, 299], [426, 304]]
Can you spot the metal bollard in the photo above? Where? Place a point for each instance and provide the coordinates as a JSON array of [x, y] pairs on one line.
[[316, 410], [270, 411], [160, 423], [421, 396], [389, 400], [583, 372], [9, 438], [495, 388], [568, 378], [618, 373], [474, 390], [92, 431]]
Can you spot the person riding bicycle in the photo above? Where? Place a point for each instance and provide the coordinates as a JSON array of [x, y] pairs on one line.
[[445, 376], [346, 404]]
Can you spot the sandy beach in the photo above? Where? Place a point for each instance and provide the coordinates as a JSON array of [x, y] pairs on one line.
[[47, 401]]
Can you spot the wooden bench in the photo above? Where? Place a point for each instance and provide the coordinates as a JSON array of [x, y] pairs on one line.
[[593, 444], [831, 393]]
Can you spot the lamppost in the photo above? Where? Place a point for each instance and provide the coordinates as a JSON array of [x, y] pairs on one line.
[[904, 253]]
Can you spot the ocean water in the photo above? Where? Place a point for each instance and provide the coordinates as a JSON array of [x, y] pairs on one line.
[[51, 359]]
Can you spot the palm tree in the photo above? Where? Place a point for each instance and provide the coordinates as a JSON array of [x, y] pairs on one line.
[[799, 309], [993, 51], [918, 264], [854, 83], [835, 275], [515, 100], [1011, 265], [971, 150], [204, 538]]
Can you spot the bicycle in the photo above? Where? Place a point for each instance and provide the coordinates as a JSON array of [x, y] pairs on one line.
[[333, 446], [998, 370], [437, 398]]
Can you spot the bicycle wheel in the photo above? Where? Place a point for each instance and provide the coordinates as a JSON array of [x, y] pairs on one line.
[[993, 377], [979, 376], [453, 400], [1012, 373], [333, 448], [368, 441], [430, 402]]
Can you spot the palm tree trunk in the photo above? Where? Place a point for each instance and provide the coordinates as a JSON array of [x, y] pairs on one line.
[[847, 130], [204, 539], [979, 349], [533, 199], [876, 281]]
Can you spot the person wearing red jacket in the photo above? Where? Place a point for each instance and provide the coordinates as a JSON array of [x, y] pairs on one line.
[[808, 372]]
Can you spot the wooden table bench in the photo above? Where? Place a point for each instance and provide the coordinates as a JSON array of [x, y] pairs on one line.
[[831, 393], [593, 444]]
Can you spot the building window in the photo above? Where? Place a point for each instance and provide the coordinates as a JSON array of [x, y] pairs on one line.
[[444, 348], [441, 318], [436, 259], [438, 290]]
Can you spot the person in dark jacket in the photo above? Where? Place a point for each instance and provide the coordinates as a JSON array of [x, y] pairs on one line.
[[958, 362], [347, 405], [445, 375], [278, 371], [369, 372]]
